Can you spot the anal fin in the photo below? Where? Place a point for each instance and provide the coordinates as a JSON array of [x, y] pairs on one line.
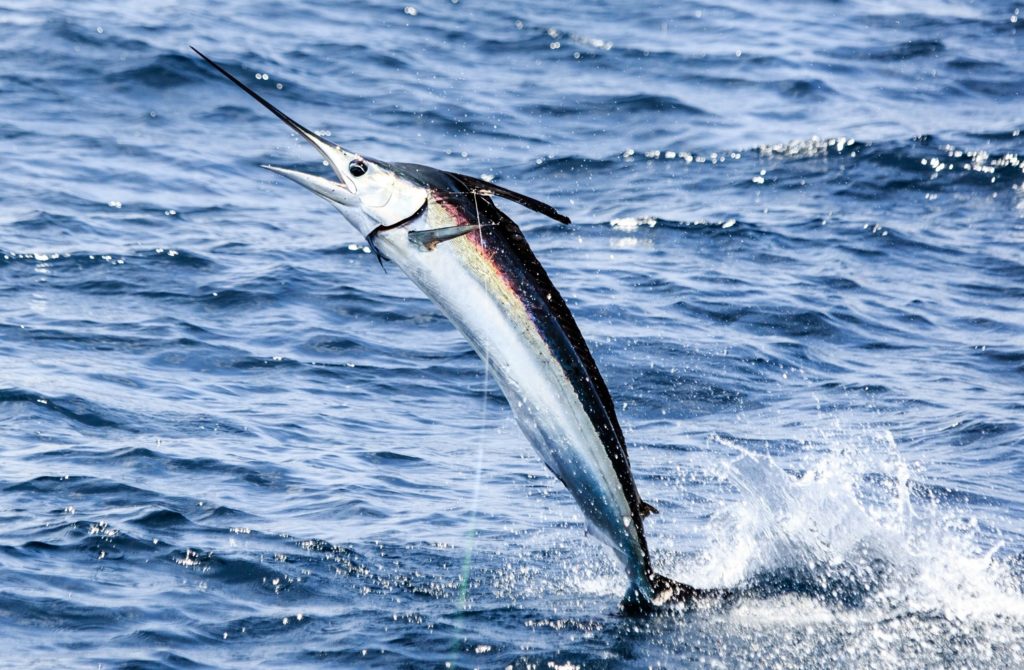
[[647, 509]]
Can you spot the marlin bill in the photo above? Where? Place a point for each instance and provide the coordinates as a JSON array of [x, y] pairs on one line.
[[445, 232]]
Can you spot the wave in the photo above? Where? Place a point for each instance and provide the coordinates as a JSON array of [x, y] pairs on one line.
[[164, 71], [611, 104], [890, 53]]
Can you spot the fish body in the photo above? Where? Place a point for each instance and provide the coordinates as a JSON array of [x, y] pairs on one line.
[[447, 235], [491, 286]]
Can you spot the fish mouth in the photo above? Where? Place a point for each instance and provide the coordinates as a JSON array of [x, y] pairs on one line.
[[332, 191], [343, 190]]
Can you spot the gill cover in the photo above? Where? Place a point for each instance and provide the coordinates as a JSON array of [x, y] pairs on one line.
[[383, 195]]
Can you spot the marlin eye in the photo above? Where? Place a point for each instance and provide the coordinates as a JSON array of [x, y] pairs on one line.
[[357, 168]]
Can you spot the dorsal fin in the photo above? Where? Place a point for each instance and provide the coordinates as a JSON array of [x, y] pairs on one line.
[[487, 188]]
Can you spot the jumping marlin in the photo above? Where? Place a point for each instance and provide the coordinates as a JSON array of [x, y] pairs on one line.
[[445, 232]]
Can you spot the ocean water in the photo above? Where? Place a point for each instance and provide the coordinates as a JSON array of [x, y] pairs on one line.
[[228, 439]]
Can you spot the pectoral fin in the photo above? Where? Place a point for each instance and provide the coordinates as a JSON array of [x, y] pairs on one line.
[[428, 239]]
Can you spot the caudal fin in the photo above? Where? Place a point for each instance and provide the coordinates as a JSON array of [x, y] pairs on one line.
[[670, 593]]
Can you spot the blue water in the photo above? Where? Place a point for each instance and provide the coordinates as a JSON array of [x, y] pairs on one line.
[[228, 439]]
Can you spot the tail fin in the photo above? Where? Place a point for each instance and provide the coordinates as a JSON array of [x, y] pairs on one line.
[[670, 593]]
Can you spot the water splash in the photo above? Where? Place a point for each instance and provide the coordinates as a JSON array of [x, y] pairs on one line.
[[854, 547]]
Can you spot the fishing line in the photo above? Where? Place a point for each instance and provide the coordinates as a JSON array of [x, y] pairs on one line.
[[467, 558]]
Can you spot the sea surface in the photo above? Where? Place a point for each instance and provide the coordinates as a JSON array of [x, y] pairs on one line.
[[230, 439]]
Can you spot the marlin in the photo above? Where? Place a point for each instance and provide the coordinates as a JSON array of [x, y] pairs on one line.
[[445, 232]]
